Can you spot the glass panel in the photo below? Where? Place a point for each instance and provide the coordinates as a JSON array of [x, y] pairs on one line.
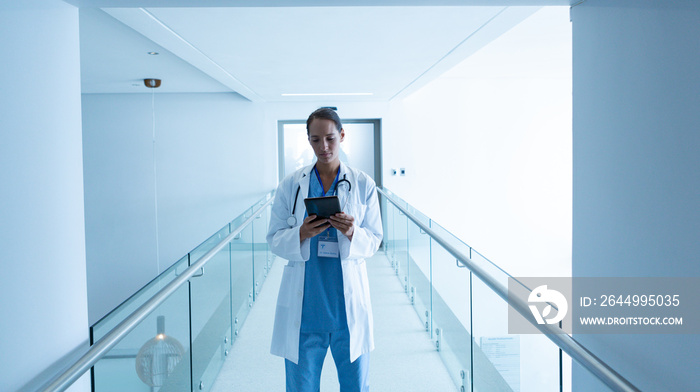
[[469, 320], [385, 224], [151, 357], [539, 364], [452, 310], [451, 240], [419, 290], [401, 248], [211, 312], [395, 199], [508, 362], [260, 251], [269, 256], [241, 277], [389, 237], [490, 268], [118, 315], [496, 354]]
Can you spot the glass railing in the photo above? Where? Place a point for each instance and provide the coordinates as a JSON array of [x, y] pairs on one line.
[[182, 344], [175, 333], [467, 318]]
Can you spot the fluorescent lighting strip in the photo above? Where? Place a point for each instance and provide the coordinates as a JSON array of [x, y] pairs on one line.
[[322, 94]]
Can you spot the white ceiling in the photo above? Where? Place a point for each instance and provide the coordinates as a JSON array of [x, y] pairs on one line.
[[261, 53]]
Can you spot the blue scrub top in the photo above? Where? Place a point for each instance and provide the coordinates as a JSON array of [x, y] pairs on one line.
[[323, 308]]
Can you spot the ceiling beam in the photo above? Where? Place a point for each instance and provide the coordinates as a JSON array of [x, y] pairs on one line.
[[498, 25]]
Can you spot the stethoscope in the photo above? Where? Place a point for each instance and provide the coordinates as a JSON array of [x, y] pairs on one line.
[[292, 220]]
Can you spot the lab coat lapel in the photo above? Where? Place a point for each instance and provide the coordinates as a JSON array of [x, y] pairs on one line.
[[344, 170], [303, 182], [344, 197]]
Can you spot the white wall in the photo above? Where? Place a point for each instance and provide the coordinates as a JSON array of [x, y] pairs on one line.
[[43, 285], [637, 169], [487, 152], [213, 160], [487, 148]]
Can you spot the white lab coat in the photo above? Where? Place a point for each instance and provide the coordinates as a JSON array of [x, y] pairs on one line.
[[363, 205]]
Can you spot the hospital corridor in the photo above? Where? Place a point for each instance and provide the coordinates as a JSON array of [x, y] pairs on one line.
[[405, 359], [504, 191]]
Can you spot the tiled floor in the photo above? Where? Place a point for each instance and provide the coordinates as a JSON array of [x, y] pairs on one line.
[[404, 359]]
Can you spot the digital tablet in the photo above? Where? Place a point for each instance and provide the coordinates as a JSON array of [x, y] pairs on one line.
[[322, 207]]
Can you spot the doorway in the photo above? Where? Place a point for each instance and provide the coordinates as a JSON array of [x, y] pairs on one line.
[[361, 148]]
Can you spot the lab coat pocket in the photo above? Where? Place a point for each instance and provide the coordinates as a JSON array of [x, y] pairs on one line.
[[356, 279], [289, 286]]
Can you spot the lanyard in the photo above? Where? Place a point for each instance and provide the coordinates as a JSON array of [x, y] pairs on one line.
[[323, 192]]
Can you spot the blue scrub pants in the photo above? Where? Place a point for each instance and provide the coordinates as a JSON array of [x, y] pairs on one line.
[[306, 375]]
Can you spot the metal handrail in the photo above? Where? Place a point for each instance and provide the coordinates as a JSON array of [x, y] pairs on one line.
[[590, 361], [101, 347]]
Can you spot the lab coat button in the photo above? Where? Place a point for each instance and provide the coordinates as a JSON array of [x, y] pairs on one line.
[[299, 293]]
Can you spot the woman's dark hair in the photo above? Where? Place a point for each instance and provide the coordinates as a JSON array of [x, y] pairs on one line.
[[324, 114]]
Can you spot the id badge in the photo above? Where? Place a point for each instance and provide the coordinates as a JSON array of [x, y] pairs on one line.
[[328, 247]]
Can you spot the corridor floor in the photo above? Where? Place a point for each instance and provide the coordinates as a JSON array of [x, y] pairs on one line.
[[404, 359]]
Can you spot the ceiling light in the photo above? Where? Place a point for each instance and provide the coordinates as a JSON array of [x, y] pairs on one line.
[[321, 94], [153, 53], [152, 83]]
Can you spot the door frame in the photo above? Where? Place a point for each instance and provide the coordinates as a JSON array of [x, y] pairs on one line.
[[377, 122]]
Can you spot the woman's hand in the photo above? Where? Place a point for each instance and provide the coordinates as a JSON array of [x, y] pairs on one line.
[[344, 223], [311, 228]]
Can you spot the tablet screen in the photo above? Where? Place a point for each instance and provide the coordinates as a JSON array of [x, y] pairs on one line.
[[322, 207]]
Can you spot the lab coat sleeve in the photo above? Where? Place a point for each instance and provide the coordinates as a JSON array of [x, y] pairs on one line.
[[367, 234], [282, 239]]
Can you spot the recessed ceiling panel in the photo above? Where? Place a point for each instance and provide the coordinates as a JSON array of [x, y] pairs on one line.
[[373, 52], [284, 53]]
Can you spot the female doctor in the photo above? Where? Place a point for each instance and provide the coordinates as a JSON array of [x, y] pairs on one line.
[[324, 295]]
